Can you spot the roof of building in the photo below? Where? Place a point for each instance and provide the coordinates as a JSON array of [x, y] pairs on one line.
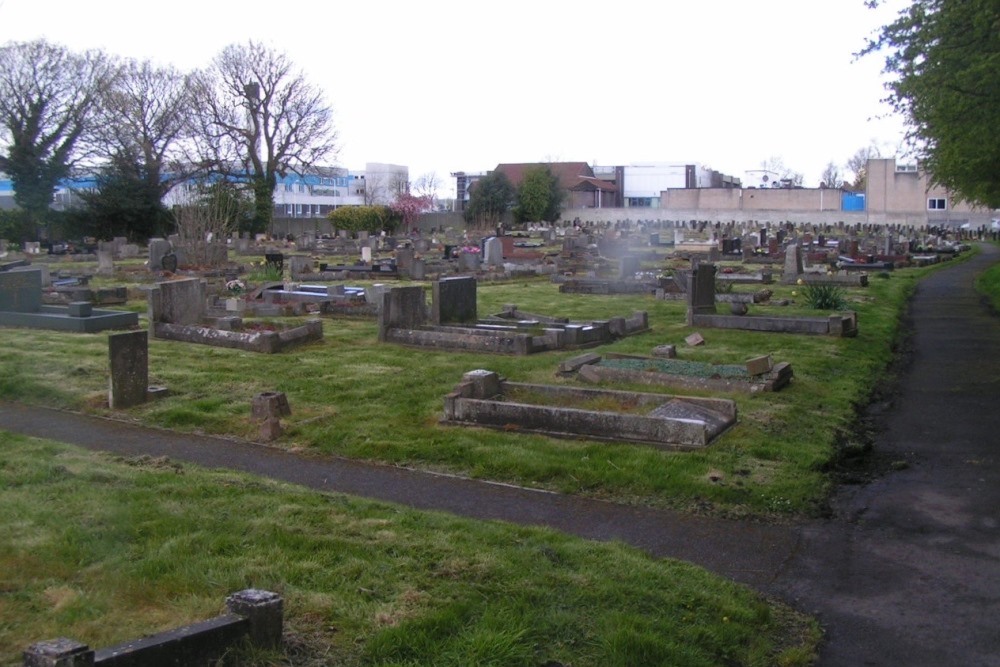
[[570, 175]]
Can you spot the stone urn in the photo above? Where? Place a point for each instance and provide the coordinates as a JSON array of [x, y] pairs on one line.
[[738, 308]]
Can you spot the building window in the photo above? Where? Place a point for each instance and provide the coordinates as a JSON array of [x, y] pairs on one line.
[[937, 204]]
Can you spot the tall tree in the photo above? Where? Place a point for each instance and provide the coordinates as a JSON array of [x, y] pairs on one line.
[[124, 203], [259, 119], [48, 96], [539, 196], [490, 199], [944, 56], [144, 124]]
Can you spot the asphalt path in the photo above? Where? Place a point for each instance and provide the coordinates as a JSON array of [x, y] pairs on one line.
[[906, 572]]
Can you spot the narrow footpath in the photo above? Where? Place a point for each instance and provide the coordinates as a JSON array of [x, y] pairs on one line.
[[907, 572]]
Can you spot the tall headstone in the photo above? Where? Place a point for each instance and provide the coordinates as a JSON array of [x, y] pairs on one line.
[[793, 263], [105, 262], [129, 355], [701, 290], [493, 251], [454, 301]]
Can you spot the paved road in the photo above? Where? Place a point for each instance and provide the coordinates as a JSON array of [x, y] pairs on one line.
[[909, 571], [906, 573]]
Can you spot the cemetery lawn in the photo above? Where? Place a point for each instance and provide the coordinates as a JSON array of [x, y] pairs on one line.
[[354, 397], [988, 284], [104, 549]]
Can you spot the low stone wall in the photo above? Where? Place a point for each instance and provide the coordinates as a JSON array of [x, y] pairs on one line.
[[482, 399], [267, 342], [254, 614], [844, 325]]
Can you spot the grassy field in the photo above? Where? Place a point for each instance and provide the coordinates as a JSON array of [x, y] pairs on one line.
[[105, 549], [351, 396]]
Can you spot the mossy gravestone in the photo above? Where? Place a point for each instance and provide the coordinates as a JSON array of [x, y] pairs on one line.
[[129, 354]]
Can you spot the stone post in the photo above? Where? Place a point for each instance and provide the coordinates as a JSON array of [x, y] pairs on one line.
[[264, 610], [60, 652]]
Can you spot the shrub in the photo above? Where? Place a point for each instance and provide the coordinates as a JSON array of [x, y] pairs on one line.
[[825, 297]]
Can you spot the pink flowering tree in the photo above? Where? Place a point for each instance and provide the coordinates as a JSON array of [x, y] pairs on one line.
[[408, 207]]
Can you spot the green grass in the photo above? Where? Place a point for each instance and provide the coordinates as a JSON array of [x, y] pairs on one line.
[[351, 396], [988, 284], [104, 549]]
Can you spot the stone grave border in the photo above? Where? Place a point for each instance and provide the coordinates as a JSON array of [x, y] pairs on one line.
[[701, 313], [587, 368], [478, 400]]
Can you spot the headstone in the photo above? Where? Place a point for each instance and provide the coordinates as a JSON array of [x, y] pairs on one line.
[[366, 254], [274, 261], [468, 261], [701, 289], [105, 262], [129, 355], [404, 259], [177, 302], [694, 339], [418, 270], [454, 301], [157, 249], [493, 251], [665, 351], [300, 265], [32, 247], [401, 308], [793, 263], [760, 365], [628, 267], [21, 291], [169, 262]]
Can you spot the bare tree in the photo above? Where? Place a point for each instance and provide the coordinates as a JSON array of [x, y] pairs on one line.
[[259, 119], [831, 176], [48, 96], [374, 192], [204, 223], [427, 185], [857, 164], [144, 124]]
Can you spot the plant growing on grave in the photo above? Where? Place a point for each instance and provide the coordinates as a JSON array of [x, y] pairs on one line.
[[723, 287], [264, 273], [824, 297]]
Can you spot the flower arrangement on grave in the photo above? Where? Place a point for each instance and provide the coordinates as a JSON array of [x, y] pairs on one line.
[[469, 249], [235, 287]]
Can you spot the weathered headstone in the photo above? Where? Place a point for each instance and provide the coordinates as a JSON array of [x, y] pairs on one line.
[[105, 262], [493, 252], [793, 263], [366, 254], [21, 291], [629, 266], [454, 301], [157, 249], [402, 308], [177, 302], [129, 356]]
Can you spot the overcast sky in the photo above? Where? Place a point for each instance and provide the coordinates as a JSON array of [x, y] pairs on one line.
[[444, 86]]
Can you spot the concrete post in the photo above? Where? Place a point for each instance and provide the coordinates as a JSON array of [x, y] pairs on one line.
[[60, 652], [264, 610]]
